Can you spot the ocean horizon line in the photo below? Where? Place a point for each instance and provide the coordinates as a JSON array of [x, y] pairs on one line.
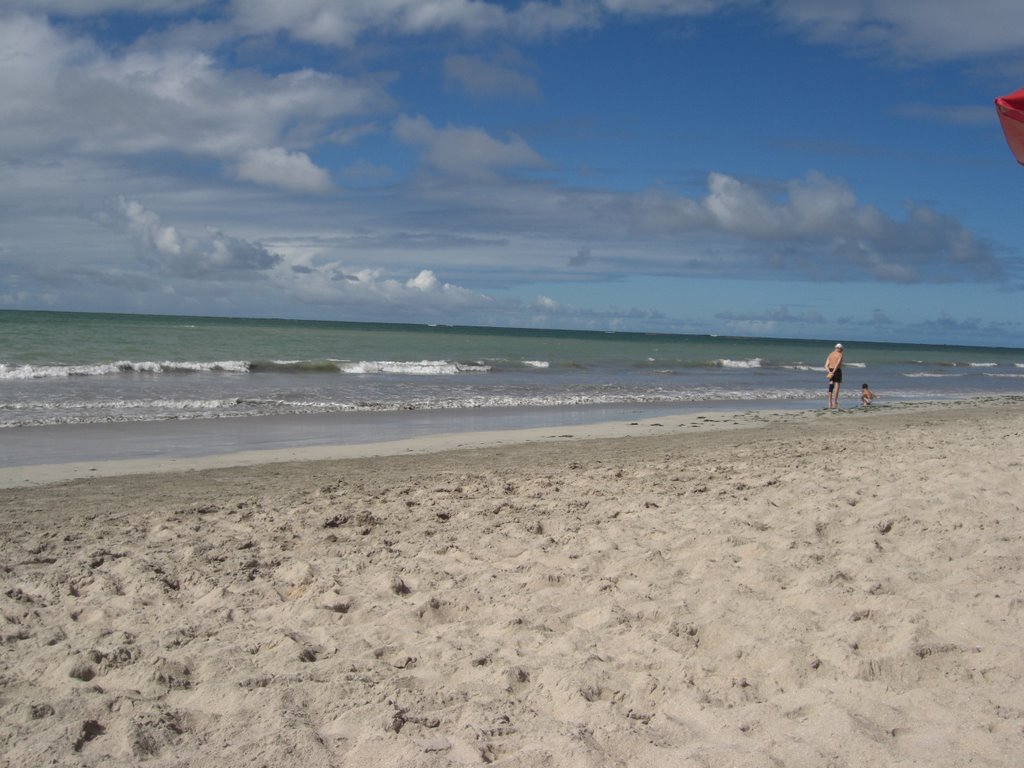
[[526, 330]]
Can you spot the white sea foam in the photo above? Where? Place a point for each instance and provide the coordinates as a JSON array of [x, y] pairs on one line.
[[752, 363], [229, 366], [537, 363], [421, 368], [120, 366]]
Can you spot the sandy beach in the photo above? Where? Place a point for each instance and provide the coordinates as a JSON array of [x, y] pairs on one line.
[[780, 589]]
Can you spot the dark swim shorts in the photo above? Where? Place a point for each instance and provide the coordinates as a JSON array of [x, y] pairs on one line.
[[837, 378]]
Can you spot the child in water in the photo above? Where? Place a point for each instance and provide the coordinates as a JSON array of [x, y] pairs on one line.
[[866, 395]]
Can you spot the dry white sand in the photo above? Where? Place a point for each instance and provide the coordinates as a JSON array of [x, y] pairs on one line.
[[785, 590]]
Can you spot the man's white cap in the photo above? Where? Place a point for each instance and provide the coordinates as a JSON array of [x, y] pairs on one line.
[[839, 346]]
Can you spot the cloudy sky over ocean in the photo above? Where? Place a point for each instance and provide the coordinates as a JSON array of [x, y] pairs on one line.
[[794, 168]]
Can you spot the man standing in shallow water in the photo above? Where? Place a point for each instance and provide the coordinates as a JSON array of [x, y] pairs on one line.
[[834, 366]]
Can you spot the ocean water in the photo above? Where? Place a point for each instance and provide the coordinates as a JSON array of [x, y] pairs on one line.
[[75, 368]]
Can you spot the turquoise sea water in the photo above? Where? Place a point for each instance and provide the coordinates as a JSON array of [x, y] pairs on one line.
[[71, 368]]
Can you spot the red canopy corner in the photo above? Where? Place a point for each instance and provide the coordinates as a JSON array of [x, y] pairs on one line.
[[1011, 116]]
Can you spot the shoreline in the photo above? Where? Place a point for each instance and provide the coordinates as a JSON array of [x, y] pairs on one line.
[[183, 438], [181, 454]]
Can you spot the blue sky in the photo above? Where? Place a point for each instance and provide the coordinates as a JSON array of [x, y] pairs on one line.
[[789, 168]]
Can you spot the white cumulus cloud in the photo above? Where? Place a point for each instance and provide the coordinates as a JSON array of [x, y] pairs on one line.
[[293, 171], [61, 94]]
